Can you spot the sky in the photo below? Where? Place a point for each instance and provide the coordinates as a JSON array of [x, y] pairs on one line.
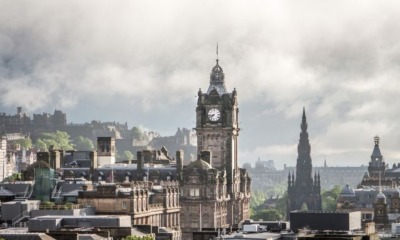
[[142, 62]]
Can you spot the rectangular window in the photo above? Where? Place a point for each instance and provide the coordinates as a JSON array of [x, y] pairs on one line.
[[124, 205], [194, 192]]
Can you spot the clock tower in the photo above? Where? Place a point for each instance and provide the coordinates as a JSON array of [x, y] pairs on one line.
[[217, 126], [380, 211]]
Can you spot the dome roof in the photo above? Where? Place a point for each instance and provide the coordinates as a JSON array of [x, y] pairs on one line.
[[347, 191], [199, 165], [380, 195]]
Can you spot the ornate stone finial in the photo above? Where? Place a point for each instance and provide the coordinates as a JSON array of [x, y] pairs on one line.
[[376, 139]]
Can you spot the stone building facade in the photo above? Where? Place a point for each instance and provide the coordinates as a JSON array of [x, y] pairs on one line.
[[145, 202], [214, 184], [4, 161], [377, 196]]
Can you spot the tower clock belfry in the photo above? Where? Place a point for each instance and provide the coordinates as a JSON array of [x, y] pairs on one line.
[[215, 192], [217, 126]]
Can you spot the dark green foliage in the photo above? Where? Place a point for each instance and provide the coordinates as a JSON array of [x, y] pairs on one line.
[[127, 155], [13, 177], [268, 215], [84, 144], [24, 143], [137, 134], [59, 140], [258, 209], [329, 198]]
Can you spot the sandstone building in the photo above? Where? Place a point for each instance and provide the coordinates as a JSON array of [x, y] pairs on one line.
[[214, 185]]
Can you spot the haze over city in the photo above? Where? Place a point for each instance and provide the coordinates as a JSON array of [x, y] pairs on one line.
[[142, 62]]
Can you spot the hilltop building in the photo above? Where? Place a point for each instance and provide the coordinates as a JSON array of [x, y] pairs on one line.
[[303, 190]]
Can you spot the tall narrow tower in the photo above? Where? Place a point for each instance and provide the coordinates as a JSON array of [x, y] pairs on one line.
[[377, 165], [303, 190], [217, 131], [217, 126]]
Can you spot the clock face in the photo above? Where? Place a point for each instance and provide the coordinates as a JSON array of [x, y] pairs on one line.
[[214, 114]]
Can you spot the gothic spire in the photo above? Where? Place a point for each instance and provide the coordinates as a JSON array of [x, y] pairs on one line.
[[304, 165], [304, 121]]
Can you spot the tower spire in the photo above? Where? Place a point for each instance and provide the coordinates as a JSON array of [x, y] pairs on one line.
[[217, 77], [217, 54], [304, 121]]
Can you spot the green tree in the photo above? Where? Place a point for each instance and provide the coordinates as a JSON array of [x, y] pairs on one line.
[[127, 155], [13, 177], [59, 140], [137, 134], [25, 143], [304, 207], [40, 144], [281, 204], [257, 198], [84, 144], [329, 198], [258, 210], [268, 215]]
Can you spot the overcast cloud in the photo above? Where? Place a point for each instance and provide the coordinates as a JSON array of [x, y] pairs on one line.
[[142, 62]]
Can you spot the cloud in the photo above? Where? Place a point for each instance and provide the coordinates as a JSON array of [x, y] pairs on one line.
[[140, 61]]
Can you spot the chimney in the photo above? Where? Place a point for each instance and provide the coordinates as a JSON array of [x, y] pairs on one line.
[[179, 162], [206, 156], [147, 156], [55, 159], [43, 156], [139, 161]]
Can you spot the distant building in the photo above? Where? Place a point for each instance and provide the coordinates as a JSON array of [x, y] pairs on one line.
[[4, 167], [184, 139], [303, 190], [377, 196], [266, 178]]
